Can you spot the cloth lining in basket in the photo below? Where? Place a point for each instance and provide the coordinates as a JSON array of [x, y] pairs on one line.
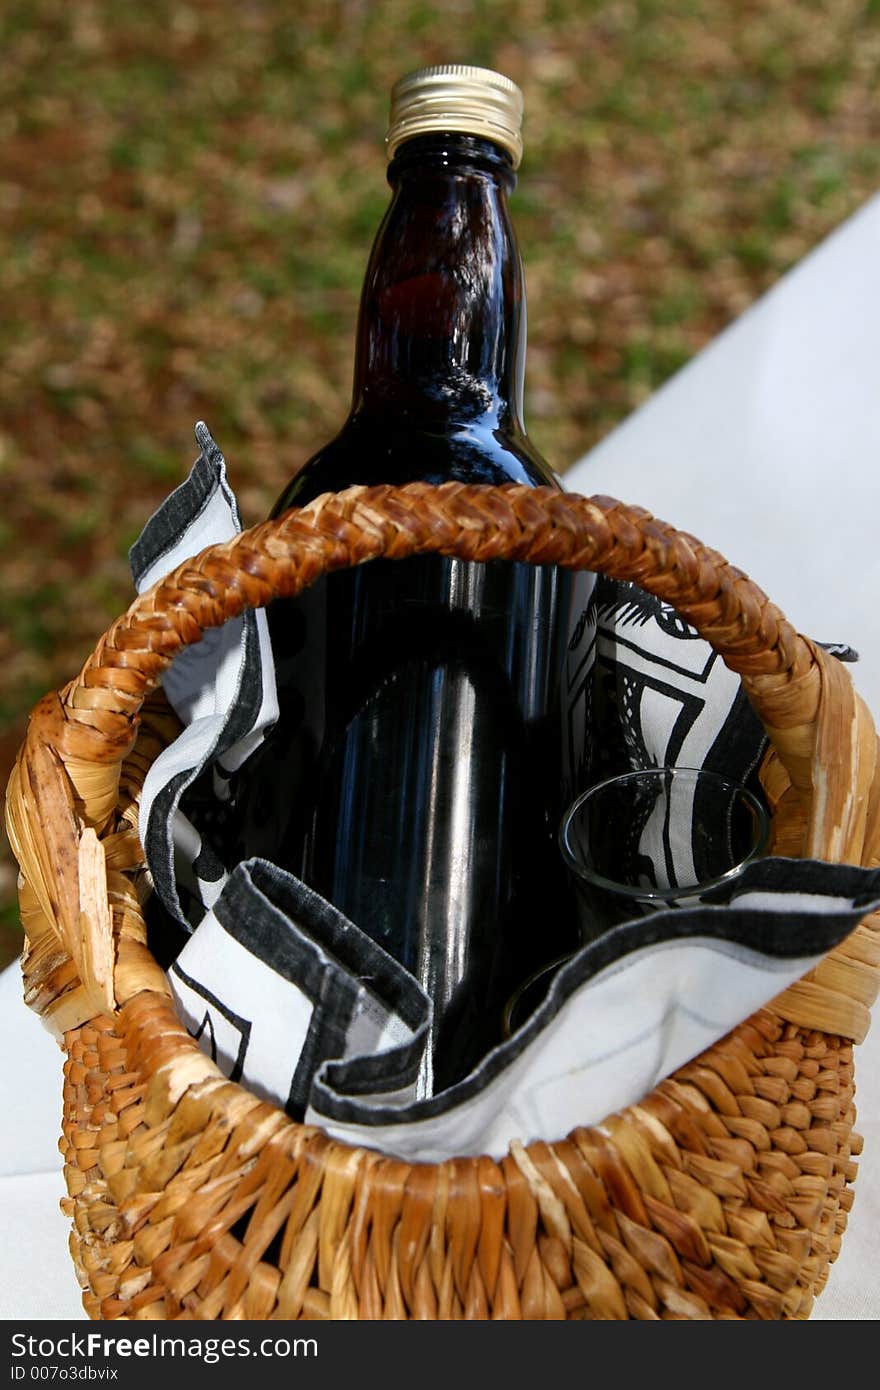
[[261, 983]]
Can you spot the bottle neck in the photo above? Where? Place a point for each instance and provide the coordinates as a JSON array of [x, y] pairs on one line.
[[441, 333]]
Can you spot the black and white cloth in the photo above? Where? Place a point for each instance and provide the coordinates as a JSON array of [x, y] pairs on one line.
[[297, 1003]]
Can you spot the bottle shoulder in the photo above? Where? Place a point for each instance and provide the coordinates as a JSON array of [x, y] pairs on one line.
[[373, 453]]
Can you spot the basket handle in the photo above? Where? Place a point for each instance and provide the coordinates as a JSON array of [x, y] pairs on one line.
[[62, 802]]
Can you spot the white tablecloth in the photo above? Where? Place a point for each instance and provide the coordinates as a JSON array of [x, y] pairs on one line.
[[766, 446]]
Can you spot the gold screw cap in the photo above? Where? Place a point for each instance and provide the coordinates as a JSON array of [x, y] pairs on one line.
[[457, 98]]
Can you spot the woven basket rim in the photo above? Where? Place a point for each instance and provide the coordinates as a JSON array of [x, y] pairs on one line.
[[86, 965]]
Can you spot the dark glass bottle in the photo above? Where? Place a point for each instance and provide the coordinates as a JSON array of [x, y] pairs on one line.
[[419, 765]]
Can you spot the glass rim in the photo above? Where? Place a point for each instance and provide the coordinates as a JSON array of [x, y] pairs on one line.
[[550, 967], [592, 876]]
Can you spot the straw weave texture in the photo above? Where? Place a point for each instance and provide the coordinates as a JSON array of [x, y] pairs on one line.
[[723, 1194]]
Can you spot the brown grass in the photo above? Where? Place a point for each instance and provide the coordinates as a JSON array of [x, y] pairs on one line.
[[187, 197]]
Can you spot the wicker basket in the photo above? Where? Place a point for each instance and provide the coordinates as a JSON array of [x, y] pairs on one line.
[[723, 1194]]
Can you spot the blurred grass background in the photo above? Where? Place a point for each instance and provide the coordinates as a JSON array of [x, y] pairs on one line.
[[188, 192]]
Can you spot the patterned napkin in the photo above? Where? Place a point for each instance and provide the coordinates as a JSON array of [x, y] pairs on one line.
[[297, 1003]]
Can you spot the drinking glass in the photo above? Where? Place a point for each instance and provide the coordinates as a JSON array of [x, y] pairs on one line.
[[658, 838], [635, 844]]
